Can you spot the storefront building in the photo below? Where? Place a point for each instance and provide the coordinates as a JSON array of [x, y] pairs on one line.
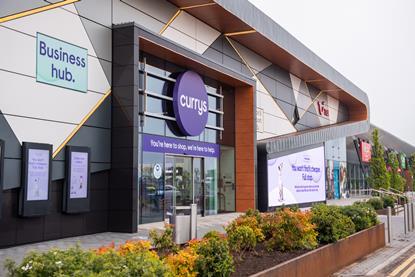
[[115, 111]]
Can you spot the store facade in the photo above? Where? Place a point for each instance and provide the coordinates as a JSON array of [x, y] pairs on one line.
[[132, 107]]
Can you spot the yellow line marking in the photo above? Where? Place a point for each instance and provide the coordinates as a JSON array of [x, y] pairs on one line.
[[36, 10], [402, 266], [81, 123], [408, 271], [240, 33], [170, 21]]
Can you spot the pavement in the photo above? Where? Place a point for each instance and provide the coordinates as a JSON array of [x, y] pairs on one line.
[[382, 261], [204, 225]]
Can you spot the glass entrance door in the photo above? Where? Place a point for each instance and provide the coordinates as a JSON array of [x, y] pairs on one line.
[[183, 182]]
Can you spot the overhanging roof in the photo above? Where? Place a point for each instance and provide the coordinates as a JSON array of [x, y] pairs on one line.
[[268, 39]]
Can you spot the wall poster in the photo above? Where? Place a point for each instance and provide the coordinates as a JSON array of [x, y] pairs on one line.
[[79, 175]]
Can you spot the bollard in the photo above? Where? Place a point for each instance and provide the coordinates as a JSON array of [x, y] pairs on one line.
[[193, 221], [389, 220], [408, 217], [413, 215], [405, 215]]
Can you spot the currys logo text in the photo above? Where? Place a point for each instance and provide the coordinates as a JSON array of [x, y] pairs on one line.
[[193, 103]]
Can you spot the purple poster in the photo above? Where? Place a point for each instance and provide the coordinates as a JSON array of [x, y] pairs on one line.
[[79, 175], [38, 175], [161, 144]]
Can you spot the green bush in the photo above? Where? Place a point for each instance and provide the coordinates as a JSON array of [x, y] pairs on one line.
[[78, 263], [163, 240], [388, 201], [288, 229], [376, 203], [363, 215], [241, 238], [214, 256], [331, 223]]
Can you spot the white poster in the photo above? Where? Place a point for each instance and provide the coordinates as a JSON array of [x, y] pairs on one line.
[[38, 175], [79, 175], [297, 178]]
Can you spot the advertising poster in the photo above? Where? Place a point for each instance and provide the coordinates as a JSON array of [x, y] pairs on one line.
[[79, 175], [297, 178], [38, 175]]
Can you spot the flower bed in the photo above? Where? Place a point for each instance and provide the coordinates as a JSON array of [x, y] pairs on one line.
[[253, 242]]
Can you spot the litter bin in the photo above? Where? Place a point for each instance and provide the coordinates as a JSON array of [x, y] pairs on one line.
[[184, 220]]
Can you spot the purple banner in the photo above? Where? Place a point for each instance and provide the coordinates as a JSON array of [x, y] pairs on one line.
[[161, 144]]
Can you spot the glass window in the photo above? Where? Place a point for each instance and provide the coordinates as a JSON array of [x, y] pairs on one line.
[[153, 126], [154, 105], [213, 102], [211, 186], [156, 85], [210, 135], [151, 188], [226, 186], [212, 119]]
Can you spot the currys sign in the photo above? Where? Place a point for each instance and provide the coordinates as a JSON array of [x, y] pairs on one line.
[[190, 103]]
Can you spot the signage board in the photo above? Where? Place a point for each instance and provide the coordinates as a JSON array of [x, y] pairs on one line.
[[36, 179], [190, 103], [365, 151], [76, 193], [323, 108], [152, 143], [38, 175], [297, 178], [61, 64]]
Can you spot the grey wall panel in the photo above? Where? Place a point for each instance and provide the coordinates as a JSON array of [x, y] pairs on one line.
[[102, 116], [58, 169], [285, 93], [98, 139], [8, 7], [12, 169], [269, 83], [100, 38], [96, 10], [12, 144], [278, 74]]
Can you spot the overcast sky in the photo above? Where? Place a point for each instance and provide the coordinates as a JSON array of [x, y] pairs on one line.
[[370, 42]]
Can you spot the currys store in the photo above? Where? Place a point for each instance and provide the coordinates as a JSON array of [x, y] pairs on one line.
[[195, 122]]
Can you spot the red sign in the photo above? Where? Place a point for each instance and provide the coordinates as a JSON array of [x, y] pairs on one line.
[[365, 151], [323, 108]]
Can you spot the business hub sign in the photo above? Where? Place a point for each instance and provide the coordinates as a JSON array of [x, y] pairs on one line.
[[190, 103], [297, 178], [61, 64]]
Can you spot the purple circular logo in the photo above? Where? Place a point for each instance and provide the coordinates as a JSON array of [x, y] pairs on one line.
[[190, 103]]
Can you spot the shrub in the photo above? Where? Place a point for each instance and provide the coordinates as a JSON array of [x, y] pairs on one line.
[[331, 223], [134, 246], [77, 262], [241, 238], [362, 214], [214, 257], [288, 230], [376, 203], [253, 213], [388, 201], [249, 221], [183, 263], [163, 240]]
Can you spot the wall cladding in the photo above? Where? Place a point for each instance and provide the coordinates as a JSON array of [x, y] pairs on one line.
[[15, 230]]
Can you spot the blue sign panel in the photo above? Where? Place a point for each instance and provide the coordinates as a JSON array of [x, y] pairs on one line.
[[190, 103], [161, 144], [61, 64]]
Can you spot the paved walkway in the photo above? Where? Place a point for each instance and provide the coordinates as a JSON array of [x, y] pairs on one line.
[[205, 224], [373, 264]]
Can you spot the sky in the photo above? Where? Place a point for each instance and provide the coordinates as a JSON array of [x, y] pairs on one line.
[[370, 42]]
